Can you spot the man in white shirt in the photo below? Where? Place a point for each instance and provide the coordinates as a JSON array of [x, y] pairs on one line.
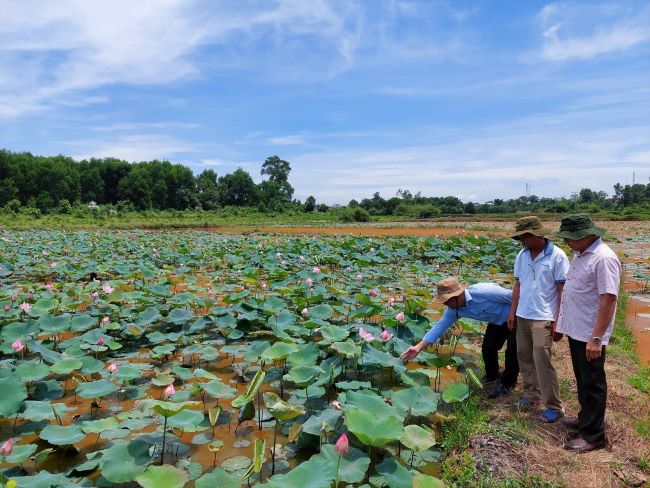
[[540, 273]]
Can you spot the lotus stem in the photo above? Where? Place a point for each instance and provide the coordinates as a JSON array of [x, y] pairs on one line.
[[162, 452], [275, 434], [338, 467]]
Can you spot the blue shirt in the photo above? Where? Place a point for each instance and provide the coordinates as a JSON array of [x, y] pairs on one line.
[[487, 302]]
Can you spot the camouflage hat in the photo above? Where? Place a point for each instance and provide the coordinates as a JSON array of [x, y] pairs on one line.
[[578, 226], [448, 288], [530, 225]]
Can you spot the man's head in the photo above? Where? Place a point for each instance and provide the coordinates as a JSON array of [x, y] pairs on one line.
[[530, 232], [579, 232], [450, 292]]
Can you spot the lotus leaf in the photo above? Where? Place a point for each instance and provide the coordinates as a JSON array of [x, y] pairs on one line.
[[280, 409], [62, 435], [313, 473], [165, 476], [423, 481], [251, 390], [166, 409], [36, 411], [396, 475], [455, 392], [98, 426], [66, 366], [327, 420], [21, 453], [370, 401], [348, 348], [96, 389], [419, 401], [235, 463], [217, 478], [302, 375], [371, 429], [279, 350], [123, 461], [13, 394], [30, 371], [217, 389], [418, 438], [353, 465], [188, 421]]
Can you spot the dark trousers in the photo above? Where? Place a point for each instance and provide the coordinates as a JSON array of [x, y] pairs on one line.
[[592, 391], [495, 336]]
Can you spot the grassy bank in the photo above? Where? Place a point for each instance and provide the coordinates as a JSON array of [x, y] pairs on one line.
[[492, 444]]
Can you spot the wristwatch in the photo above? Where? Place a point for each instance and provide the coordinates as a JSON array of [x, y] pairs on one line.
[[596, 340]]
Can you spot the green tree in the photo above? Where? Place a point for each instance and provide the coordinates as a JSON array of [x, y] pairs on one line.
[[239, 189], [135, 188], [310, 204], [279, 188]]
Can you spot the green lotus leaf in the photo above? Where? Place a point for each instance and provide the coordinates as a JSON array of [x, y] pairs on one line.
[[353, 465], [418, 438], [180, 316], [21, 453], [123, 461], [44, 305], [280, 409], [321, 312], [162, 380], [332, 333], [371, 402], [96, 389], [42, 479], [424, 481], [62, 435], [91, 365], [456, 392], [235, 463], [349, 348], [166, 409], [37, 411], [371, 429], [47, 354], [279, 350], [165, 476], [306, 355], [83, 322], [98, 426], [327, 420], [188, 421], [217, 478], [54, 324], [312, 474], [217, 389], [127, 373], [13, 394], [372, 355], [303, 375], [396, 475], [30, 371], [251, 390], [66, 366], [353, 385], [419, 401]]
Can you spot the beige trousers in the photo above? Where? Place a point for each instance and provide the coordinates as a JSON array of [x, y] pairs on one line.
[[534, 352]]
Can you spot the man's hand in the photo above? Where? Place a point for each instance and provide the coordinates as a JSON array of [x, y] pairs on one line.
[[412, 352], [593, 350], [557, 336], [512, 322]]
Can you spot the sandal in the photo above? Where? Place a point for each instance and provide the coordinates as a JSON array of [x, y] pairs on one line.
[[550, 415], [524, 403]]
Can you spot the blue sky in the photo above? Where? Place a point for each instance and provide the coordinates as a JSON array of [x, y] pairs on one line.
[[466, 98]]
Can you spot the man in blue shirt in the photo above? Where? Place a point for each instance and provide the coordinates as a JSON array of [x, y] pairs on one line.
[[486, 302]]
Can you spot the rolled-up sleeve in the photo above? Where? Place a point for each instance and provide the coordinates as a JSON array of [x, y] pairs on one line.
[[447, 320], [560, 268]]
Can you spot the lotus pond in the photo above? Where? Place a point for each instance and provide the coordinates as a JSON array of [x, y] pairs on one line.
[[170, 359]]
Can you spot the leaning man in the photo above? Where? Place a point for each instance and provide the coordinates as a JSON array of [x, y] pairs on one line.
[[486, 302], [586, 316]]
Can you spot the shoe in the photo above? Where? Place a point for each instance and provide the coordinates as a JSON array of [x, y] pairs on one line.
[[526, 402], [550, 415], [497, 391], [580, 445], [570, 422]]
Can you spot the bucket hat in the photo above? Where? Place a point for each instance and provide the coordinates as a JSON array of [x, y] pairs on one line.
[[530, 225], [578, 226], [448, 288]]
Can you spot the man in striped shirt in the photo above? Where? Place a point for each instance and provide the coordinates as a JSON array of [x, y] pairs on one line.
[[587, 313]]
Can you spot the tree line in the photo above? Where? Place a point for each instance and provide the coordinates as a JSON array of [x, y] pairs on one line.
[[54, 184]]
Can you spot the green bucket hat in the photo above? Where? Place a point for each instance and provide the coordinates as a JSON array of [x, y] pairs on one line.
[[578, 226], [530, 225]]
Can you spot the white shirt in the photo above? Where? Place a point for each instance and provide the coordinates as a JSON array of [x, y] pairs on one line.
[[538, 280], [594, 272]]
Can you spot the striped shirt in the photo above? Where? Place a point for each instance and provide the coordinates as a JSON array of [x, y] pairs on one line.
[[593, 272]]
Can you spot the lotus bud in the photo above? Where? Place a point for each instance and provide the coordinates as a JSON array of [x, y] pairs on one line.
[[18, 346], [400, 317], [309, 281], [94, 295], [359, 277], [100, 341], [170, 391], [305, 312], [105, 320], [316, 269], [336, 404], [113, 368], [25, 307], [385, 336], [372, 292], [107, 289], [342, 445], [7, 447]]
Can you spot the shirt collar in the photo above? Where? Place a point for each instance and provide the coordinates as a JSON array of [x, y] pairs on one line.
[[468, 296], [597, 243], [548, 249]]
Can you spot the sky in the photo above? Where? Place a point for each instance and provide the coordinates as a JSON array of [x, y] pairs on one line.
[[475, 99]]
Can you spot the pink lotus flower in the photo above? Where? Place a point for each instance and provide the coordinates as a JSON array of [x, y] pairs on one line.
[[315, 269], [49, 286], [302, 258], [372, 292], [18, 345], [156, 255], [336, 404], [264, 285], [7, 308], [170, 391], [113, 368], [100, 341], [304, 312], [107, 289], [94, 295], [25, 307], [105, 320], [53, 264], [365, 335], [283, 263], [359, 277], [13, 298], [385, 336], [400, 317], [7, 447], [391, 300], [342, 445], [309, 281]]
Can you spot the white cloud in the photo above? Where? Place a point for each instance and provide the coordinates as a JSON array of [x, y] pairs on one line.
[[286, 140], [572, 31], [131, 126], [137, 147]]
